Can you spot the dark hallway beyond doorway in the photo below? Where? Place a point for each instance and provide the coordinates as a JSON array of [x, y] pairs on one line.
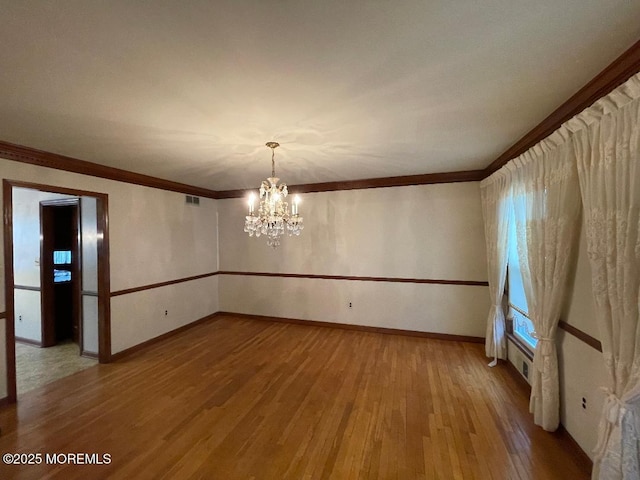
[[60, 272]]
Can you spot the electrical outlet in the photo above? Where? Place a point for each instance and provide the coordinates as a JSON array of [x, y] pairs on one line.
[[350, 305], [584, 403], [166, 312], [19, 318]]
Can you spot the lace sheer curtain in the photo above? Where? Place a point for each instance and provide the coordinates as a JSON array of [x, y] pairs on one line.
[[496, 208], [547, 211], [608, 151], [598, 150]]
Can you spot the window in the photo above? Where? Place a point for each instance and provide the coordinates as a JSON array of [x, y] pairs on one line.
[[62, 260], [518, 309], [61, 257]]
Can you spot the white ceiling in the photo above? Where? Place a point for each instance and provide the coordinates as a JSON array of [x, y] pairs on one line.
[[191, 90]]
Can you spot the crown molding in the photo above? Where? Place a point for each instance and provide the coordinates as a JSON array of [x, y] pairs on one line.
[[402, 181], [41, 158], [20, 153], [618, 72]]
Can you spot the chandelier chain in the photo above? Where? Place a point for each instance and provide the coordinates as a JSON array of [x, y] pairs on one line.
[[273, 162]]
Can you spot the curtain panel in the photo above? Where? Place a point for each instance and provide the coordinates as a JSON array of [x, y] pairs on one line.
[[607, 142], [601, 148], [547, 209], [496, 209]]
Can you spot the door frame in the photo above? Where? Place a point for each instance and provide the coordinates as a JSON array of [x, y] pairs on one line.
[[104, 302], [48, 326]]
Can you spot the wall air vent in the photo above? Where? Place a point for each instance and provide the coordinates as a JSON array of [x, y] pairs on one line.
[[193, 200]]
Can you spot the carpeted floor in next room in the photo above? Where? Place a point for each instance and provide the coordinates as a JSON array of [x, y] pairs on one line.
[[37, 366]]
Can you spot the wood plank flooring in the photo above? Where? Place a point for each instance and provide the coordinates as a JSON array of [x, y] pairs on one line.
[[248, 399]]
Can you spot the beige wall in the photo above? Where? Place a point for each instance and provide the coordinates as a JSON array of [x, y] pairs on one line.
[[154, 237], [184, 302], [582, 370], [582, 373], [425, 232]]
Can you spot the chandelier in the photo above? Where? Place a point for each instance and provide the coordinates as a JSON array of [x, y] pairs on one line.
[[273, 217]]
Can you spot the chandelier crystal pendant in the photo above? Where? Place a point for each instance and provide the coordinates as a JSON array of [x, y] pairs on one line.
[[273, 217]]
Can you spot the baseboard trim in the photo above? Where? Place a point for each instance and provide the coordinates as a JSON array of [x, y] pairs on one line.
[[345, 326], [574, 447], [4, 401], [136, 348], [562, 433], [360, 328], [89, 355], [28, 341]]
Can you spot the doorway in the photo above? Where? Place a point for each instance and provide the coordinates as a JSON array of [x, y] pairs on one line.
[[60, 279], [69, 297]]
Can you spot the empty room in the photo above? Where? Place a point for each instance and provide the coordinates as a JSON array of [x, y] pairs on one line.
[[320, 240]]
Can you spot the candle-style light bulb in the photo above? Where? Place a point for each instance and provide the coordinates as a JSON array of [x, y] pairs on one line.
[[294, 207], [252, 199]]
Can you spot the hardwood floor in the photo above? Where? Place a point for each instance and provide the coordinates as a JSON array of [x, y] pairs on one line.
[[247, 399]]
